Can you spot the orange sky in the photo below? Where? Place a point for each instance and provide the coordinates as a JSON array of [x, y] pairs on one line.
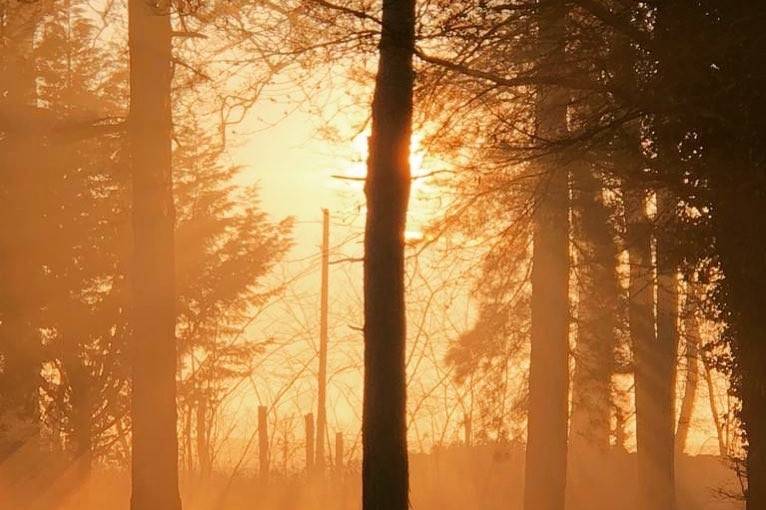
[[294, 166]]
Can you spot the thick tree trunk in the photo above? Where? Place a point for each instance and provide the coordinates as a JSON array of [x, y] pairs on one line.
[[546, 453], [155, 446], [384, 427], [664, 356], [20, 343], [744, 264]]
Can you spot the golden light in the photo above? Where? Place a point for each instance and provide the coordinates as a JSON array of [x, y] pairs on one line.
[[353, 174]]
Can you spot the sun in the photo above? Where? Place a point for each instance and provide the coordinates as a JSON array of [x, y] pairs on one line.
[[353, 174]]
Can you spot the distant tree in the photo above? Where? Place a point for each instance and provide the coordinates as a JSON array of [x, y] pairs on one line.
[[598, 312], [384, 426], [598, 323], [487, 357], [225, 245], [87, 229]]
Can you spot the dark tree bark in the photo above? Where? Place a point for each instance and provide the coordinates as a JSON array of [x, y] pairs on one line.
[[736, 167], [155, 446], [384, 427], [653, 422], [743, 260], [662, 369], [546, 453]]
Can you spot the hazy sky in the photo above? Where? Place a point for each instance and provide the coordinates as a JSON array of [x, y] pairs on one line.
[[295, 165]]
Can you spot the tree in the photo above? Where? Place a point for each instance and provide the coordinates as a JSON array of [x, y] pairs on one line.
[[225, 245], [546, 454], [387, 187], [153, 349], [20, 266], [598, 313], [84, 292], [663, 364]]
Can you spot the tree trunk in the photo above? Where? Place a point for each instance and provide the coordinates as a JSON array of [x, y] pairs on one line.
[[663, 356], [20, 267], [546, 453], [649, 372], [744, 264], [155, 446], [385, 484], [692, 355]]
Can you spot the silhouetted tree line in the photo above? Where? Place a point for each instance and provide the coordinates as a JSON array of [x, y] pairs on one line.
[[72, 329]]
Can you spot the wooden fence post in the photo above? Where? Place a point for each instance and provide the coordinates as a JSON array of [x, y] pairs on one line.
[[309, 418], [339, 451], [263, 444]]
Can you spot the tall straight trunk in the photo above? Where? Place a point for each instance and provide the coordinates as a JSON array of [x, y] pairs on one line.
[[649, 373], [743, 260], [385, 484], [155, 445], [546, 453], [664, 356], [661, 492], [20, 342]]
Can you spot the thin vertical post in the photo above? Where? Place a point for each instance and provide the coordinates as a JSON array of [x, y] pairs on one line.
[[339, 451], [309, 421], [468, 429], [263, 444], [322, 374]]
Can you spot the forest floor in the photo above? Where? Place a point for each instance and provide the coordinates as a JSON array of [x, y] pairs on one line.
[[457, 478]]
